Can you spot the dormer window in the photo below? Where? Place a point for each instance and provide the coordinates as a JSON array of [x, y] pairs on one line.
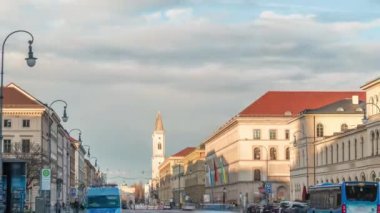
[[359, 109], [288, 113], [340, 109]]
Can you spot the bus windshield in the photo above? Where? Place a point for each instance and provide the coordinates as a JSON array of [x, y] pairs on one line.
[[103, 201], [361, 192]]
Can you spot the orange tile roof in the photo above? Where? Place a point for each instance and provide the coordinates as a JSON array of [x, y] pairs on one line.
[[276, 103], [184, 152]]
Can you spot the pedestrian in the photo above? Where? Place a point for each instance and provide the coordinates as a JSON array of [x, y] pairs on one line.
[[76, 206]]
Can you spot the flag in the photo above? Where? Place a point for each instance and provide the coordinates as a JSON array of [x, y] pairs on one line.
[[215, 172], [209, 175], [221, 170], [224, 173]]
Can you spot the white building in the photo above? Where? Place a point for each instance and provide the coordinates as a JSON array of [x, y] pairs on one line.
[[158, 153], [253, 148], [340, 147]]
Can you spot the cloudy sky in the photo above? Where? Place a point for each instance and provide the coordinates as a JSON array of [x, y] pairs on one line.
[[118, 62]]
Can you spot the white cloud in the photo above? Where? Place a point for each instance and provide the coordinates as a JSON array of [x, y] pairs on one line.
[[179, 14]]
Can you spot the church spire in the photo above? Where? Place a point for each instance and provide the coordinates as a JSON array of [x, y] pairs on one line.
[[159, 125]]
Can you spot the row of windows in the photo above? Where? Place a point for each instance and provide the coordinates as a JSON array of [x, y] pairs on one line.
[[320, 129], [272, 153], [272, 134], [341, 156], [363, 177], [8, 123], [25, 146]]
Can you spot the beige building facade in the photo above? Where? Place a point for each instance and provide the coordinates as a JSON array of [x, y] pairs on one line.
[[348, 149], [253, 149]]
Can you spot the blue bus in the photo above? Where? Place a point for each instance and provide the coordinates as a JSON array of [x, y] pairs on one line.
[[105, 199], [346, 197]]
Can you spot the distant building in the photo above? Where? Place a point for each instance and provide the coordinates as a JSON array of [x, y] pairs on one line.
[[158, 155]]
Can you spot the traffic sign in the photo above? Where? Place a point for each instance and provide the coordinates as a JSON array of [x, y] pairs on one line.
[[45, 179], [73, 192], [268, 188]]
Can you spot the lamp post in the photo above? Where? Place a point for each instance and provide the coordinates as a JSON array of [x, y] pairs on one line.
[[51, 112], [365, 119], [80, 134], [31, 61], [88, 149]]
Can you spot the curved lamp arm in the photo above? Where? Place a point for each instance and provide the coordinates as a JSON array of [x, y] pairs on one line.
[[365, 119], [64, 116], [80, 134], [96, 161], [88, 149]]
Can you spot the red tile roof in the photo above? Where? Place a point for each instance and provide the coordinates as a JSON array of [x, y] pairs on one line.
[[184, 152], [14, 98], [276, 103]]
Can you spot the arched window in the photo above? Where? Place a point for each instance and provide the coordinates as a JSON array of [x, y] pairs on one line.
[[256, 154], [373, 176], [356, 149], [287, 153], [343, 127], [159, 146], [319, 130], [356, 178], [332, 154], [342, 151], [343, 179], [337, 180], [326, 155], [273, 153], [373, 143], [362, 177], [257, 175]]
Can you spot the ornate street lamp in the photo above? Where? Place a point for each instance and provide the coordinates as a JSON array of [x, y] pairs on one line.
[[80, 134], [31, 61]]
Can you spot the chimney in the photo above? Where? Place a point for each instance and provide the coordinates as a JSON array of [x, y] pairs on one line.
[[355, 99]]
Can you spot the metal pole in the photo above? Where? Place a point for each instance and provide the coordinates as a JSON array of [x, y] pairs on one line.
[[2, 98]]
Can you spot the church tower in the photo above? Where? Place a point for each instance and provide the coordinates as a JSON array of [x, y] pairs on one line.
[[158, 138]]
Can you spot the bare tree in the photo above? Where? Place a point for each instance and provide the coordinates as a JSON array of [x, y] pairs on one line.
[[32, 154]]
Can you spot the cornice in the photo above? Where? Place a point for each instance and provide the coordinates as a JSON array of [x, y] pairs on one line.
[[23, 113]]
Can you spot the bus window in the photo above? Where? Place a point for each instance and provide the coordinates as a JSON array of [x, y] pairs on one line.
[[361, 192], [338, 199]]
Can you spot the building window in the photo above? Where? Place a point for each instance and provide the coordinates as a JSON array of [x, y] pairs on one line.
[[25, 145], [362, 144], [287, 134], [326, 156], [7, 123], [343, 127], [272, 134], [342, 151], [356, 149], [7, 146], [256, 134], [319, 130], [25, 123], [257, 175], [362, 177], [273, 153], [337, 153], [372, 143], [373, 176], [159, 146], [332, 154], [377, 142], [287, 154], [256, 154], [349, 150]]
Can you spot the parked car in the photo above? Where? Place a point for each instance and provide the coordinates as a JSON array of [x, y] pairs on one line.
[[254, 208], [294, 207]]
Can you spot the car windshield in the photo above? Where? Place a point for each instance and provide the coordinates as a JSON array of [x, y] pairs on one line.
[[103, 201], [361, 192]]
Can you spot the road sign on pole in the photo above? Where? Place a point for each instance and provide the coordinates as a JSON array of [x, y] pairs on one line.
[[268, 188], [45, 179]]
